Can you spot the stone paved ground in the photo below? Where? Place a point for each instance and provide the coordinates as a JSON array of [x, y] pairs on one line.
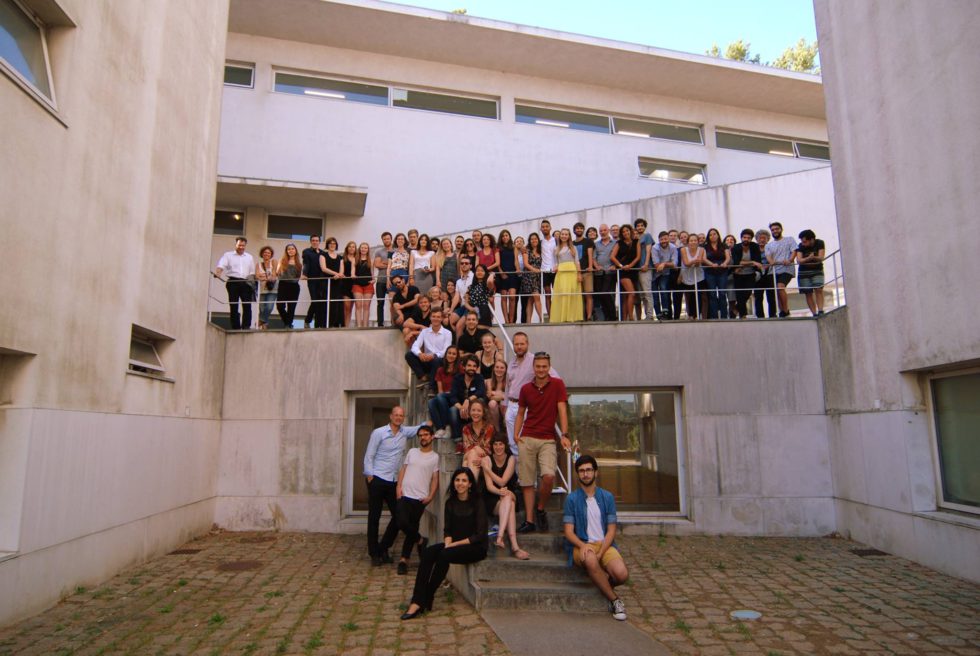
[[255, 593]]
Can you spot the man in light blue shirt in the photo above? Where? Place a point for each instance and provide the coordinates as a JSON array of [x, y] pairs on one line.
[[382, 460]]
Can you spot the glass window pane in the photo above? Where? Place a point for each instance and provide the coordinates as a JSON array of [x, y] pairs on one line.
[[229, 222], [813, 151], [671, 171], [754, 144], [21, 46], [143, 357], [325, 88], [562, 119], [293, 227], [634, 128], [633, 436], [439, 102], [957, 416], [238, 76]]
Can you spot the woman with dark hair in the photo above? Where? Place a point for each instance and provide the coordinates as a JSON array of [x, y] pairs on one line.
[[730, 242], [332, 264], [625, 256], [531, 279], [476, 436], [716, 274], [507, 280], [347, 284], [439, 404], [267, 272], [488, 255], [478, 296], [421, 268], [464, 541], [497, 392], [290, 270], [469, 250], [500, 493]]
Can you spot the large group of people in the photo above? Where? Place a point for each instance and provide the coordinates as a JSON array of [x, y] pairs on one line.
[[609, 273], [508, 420]]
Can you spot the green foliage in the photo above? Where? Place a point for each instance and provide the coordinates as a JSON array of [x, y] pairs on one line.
[[316, 640], [736, 51], [349, 626], [217, 618], [801, 58], [682, 626], [459, 12]]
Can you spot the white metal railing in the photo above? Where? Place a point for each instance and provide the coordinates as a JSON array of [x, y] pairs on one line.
[[762, 293]]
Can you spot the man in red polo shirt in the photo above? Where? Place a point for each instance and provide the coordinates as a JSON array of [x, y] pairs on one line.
[[541, 404]]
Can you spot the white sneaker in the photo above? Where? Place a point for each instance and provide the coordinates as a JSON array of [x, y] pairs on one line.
[[439, 434], [618, 609]]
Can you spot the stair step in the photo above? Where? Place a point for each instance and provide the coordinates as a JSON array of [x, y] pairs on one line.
[[536, 543], [503, 568], [540, 596]]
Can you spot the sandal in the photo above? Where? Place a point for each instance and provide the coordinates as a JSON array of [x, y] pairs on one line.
[[499, 545], [520, 554]]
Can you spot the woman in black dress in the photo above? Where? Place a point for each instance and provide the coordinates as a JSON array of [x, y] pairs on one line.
[[625, 255], [464, 541], [500, 493], [332, 264]]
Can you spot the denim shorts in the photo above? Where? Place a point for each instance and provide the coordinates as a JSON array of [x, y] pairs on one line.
[[808, 282]]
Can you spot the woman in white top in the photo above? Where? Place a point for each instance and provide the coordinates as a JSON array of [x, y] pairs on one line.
[[267, 271], [420, 266], [692, 277]]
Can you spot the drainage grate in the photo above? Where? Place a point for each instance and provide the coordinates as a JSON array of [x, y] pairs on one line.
[[183, 552], [239, 566], [868, 553]]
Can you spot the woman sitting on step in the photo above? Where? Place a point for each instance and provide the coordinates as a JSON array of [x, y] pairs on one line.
[[500, 493], [464, 541]]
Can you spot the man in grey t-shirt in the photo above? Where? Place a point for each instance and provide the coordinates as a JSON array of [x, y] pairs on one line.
[[780, 253], [380, 261]]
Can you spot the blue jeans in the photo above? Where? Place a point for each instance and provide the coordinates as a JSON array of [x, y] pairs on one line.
[[716, 282], [444, 413], [661, 298], [267, 301]]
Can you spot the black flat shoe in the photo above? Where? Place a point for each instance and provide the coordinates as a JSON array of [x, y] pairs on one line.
[[411, 616]]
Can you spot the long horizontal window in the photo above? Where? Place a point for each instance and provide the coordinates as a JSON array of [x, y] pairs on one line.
[[445, 103], [656, 169], [306, 85], [652, 130], [293, 227], [22, 47], [754, 143], [560, 118]]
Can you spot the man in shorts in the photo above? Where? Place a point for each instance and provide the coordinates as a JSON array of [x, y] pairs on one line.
[[541, 403], [590, 529], [780, 253], [809, 255], [586, 250]]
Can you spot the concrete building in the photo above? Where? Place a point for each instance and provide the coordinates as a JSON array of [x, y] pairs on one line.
[[109, 457]]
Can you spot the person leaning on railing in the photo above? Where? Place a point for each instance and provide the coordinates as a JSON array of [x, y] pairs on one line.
[[239, 267], [267, 272], [809, 256], [290, 271], [747, 267], [625, 256], [692, 276]]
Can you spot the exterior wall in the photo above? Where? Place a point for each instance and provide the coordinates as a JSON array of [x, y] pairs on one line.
[[442, 172], [756, 455], [898, 114], [285, 423], [102, 469]]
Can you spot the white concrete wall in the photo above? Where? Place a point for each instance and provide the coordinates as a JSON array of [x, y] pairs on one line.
[[904, 172], [107, 212], [441, 172]]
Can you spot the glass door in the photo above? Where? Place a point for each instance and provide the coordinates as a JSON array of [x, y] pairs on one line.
[[367, 412]]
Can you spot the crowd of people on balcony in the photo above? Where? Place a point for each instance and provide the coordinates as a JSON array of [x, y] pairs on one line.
[[609, 273]]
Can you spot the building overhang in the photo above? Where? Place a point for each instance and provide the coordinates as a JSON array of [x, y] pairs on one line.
[[291, 196], [385, 28]]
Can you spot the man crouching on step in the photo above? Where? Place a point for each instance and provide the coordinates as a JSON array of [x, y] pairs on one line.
[[590, 528]]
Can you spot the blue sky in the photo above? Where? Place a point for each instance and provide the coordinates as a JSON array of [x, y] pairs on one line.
[[686, 25]]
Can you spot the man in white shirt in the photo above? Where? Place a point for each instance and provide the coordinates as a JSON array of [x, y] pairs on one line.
[[548, 263], [238, 266], [426, 353], [462, 286], [418, 482]]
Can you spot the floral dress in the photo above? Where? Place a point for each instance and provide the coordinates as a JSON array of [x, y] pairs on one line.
[[531, 281]]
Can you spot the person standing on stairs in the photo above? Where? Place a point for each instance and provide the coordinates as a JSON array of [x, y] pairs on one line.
[[541, 403], [418, 482], [590, 529]]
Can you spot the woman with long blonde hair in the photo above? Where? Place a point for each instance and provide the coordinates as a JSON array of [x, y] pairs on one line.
[[290, 270], [566, 302], [362, 285]]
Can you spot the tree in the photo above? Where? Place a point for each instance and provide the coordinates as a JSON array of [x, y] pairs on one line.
[[801, 58], [736, 51]]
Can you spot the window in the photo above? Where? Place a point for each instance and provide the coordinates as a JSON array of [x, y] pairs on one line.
[[326, 88], [957, 414], [447, 104], [635, 438], [769, 145], [146, 348], [652, 130], [656, 169], [813, 151], [560, 118], [229, 222], [239, 75], [23, 51], [293, 227]]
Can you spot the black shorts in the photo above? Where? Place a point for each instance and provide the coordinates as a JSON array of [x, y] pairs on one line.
[[549, 278], [783, 278]]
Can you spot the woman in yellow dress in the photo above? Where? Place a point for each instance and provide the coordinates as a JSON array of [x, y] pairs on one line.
[[566, 295]]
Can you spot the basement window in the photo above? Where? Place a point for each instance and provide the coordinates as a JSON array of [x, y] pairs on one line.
[[147, 349], [956, 415], [656, 169]]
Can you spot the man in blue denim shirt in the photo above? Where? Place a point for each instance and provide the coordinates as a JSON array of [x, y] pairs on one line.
[[382, 460], [590, 528]]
